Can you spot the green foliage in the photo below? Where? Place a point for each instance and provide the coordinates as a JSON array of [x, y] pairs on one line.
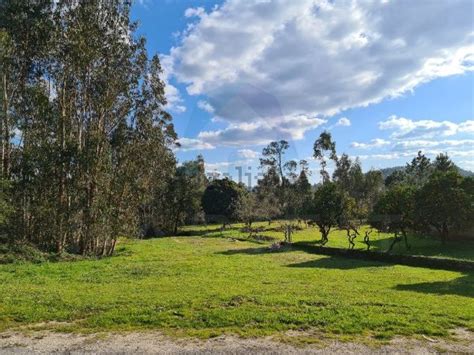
[[446, 203], [302, 195], [322, 145], [185, 192], [6, 208], [273, 157], [419, 170], [395, 178], [220, 200], [363, 189], [443, 164], [329, 205], [426, 197], [86, 143], [395, 213]]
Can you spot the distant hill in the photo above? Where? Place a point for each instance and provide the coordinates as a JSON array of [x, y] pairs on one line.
[[465, 173], [388, 171]]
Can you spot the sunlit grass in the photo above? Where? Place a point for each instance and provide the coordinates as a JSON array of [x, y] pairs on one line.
[[429, 246], [206, 286]]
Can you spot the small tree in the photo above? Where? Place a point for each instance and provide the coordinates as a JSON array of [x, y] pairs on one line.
[[329, 204], [246, 210], [324, 144], [220, 200], [185, 191], [442, 163], [419, 170], [273, 157], [349, 221], [249, 209], [446, 203], [302, 193], [396, 178], [394, 213]]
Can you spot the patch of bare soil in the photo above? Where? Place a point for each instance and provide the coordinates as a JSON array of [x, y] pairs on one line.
[[462, 341]]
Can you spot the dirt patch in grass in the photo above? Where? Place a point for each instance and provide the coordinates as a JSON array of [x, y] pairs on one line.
[[461, 341]]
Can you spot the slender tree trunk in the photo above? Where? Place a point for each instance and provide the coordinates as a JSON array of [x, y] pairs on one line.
[[5, 131], [367, 240], [444, 234], [324, 234], [176, 222], [396, 240], [62, 176], [405, 238]]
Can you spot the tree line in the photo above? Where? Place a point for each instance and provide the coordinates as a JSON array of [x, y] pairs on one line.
[[87, 150], [86, 144], [427, 197]]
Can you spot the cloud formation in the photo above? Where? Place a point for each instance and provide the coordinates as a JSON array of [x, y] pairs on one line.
[[410, 136], [206, 106], [194, 144], [343, 121], [261, 62], [411, 154], [247, 153], [261, 132], [374, 143], [407, 128], [172, 94], [443, 144]]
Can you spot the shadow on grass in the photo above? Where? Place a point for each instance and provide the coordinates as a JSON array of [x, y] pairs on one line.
[[338, 263], [202, 232], [427, 246], [462, 286], [255, 251]]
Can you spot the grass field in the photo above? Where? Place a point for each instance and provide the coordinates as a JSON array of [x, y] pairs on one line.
[[206, 285], [379, 241]]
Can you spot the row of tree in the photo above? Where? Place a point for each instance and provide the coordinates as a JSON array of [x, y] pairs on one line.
[[429, 198], [86, 145], [426, 198], [87, 149]]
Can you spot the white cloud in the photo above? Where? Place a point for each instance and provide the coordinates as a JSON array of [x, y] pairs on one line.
[[206, 106], [219, 166], [388, 156], [192, 12], [406, 128], [247, 153], [172, 94], [262, 61], [466, 127], [193, 144], [261, 132], [443, 144], [411, 154], [407, 148], [343, 121], [374, 143]]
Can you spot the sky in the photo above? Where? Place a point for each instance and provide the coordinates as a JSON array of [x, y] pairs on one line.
[[386, 78]]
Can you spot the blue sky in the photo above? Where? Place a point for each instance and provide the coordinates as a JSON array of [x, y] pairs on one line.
[[385, 78]]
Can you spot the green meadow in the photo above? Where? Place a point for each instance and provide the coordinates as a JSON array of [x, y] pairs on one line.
[[209, 282]]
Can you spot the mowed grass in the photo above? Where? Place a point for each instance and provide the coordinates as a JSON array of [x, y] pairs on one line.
[[428, 246], [207, 286]]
